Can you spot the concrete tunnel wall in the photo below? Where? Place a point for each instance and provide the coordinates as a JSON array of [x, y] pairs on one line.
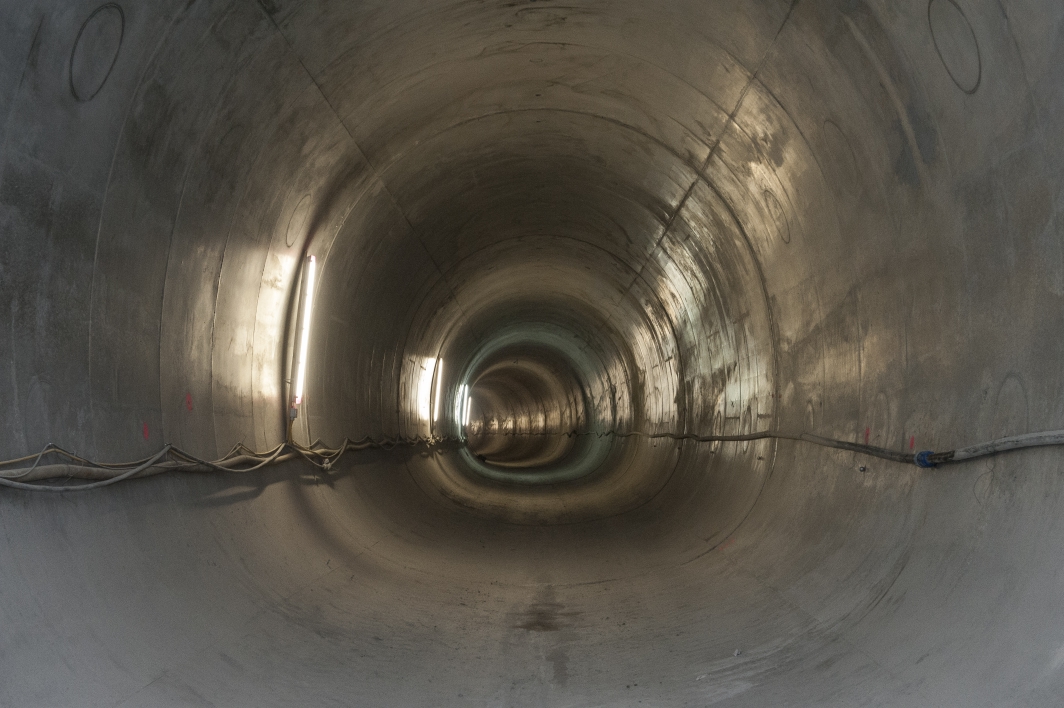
[[835, 217]]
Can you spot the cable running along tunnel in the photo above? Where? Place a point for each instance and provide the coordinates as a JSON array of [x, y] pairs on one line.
[[561, 248]]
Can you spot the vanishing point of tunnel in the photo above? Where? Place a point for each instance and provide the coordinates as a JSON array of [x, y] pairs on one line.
[[520, 238]]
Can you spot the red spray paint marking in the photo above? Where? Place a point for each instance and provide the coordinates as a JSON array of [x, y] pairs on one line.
[[867, 434], [912, 441], [188, 401], [727, 544], [145, 431]]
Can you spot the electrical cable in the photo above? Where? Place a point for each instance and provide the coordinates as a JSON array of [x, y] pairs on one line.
[[92, 485], [238, 459], [242, 459], [924, 458]]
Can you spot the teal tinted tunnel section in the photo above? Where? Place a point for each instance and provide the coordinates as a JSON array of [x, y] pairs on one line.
[[536, 225]]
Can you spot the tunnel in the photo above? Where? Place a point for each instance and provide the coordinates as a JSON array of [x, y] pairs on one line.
[[534, 249]]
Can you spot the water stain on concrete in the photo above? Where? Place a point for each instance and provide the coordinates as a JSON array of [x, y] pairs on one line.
[[546, 617]]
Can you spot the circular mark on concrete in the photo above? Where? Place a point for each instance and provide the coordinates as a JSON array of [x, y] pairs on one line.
[[298, 221], [96, 51], [779, 218], [229, 146], [983, 485], [1009, 416], [842, 155], [1012, 410], [878, 429], [956, 44]]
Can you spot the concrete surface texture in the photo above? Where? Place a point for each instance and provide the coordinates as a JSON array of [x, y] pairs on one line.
[[708, 216]]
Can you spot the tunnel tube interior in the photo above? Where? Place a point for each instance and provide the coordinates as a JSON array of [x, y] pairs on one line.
[[536, 225]]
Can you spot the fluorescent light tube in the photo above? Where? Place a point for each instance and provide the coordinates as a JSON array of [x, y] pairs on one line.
[[304, 335]]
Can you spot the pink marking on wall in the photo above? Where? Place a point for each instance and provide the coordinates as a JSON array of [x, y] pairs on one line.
[[867, 434], [145, 431], [188, 401], [912, 441]]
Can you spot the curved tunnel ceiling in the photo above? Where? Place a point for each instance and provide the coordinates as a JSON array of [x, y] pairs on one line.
[[538, 224]]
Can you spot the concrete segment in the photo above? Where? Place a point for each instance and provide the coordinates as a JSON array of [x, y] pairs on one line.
[[842, 218]]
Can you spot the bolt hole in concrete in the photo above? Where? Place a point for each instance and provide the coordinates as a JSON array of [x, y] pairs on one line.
[[538, 227]]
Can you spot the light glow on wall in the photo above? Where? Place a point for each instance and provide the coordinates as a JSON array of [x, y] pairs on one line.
[[439, 390], [424, 388], [460, 404], [305, 316]]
